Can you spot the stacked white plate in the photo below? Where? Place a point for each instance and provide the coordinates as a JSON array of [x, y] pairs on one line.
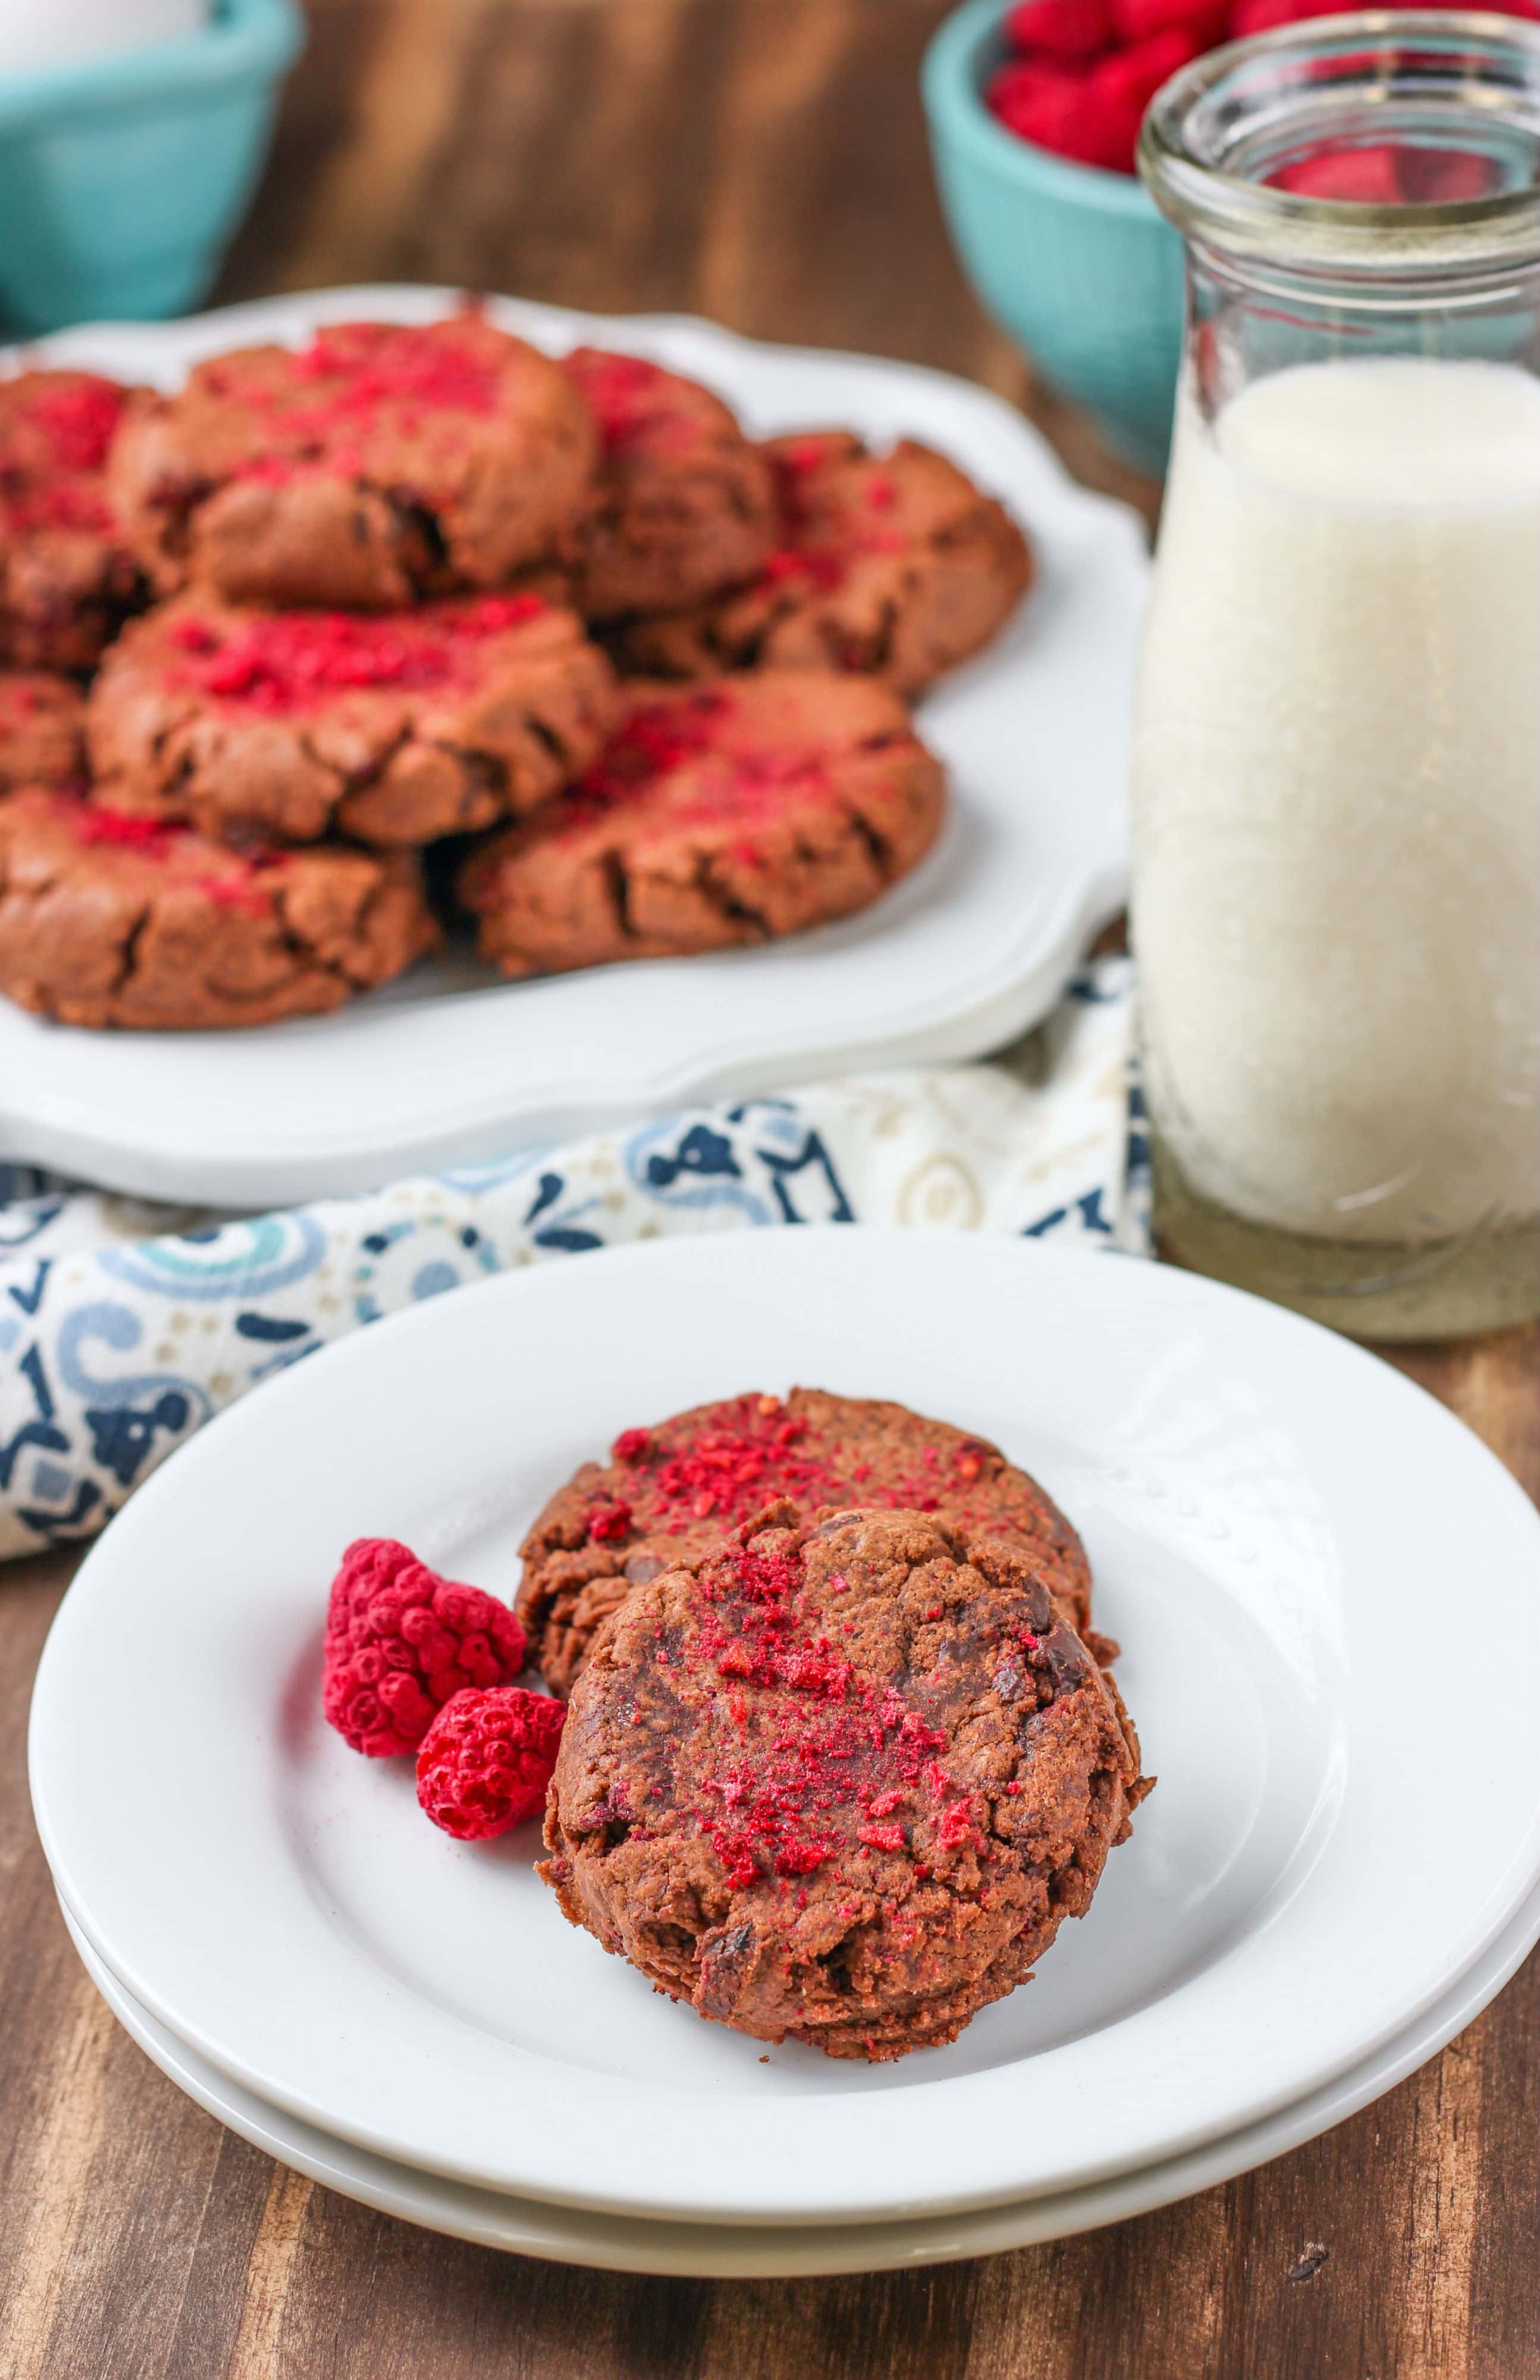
[[1327, 1592]]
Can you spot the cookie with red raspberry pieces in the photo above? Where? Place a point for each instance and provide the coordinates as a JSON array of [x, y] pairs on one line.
[[840, 1784], [717, 816], [111, 920], [379, 463], [895, 566], [66, 577], [687, 503], [487, 1761], [393, 727], [668, 1492], [401, 1642], [42, 730]]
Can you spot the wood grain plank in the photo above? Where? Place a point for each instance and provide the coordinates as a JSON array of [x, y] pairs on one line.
[[315, 118], [269, 2273], [367, 193]]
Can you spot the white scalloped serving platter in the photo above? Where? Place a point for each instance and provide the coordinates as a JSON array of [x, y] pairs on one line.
[[449, 1064]]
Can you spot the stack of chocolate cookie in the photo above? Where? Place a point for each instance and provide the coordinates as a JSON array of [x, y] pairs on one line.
[[841, 1751], [407, 587]]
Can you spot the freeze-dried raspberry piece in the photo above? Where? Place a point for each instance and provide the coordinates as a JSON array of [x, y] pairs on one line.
[[401, 1641], [487, 1759]]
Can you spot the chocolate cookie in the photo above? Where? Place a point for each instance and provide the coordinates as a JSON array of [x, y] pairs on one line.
[[686, 504], [394, 728], [669, 1492], [113, 921], [42, 730], [66, 579], [840, 1783], [719, 815], [896, 566], [377, 465]]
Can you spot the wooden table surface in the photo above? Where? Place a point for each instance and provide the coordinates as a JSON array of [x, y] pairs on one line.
[[760, 160]]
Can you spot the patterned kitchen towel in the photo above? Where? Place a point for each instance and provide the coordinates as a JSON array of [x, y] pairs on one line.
[[124, 1327]]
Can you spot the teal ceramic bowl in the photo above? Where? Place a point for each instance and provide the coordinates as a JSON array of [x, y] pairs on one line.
[[121, 179], [1077, 265]]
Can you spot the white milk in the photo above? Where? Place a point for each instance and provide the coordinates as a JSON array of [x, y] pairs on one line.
[[1337, 801]]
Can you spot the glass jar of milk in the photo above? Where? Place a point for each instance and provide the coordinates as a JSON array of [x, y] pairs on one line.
[[1336, 911]]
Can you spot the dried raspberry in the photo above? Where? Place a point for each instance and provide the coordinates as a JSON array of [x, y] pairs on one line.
[[955, 1826], [487, 1759], [609, 1520], [400, 1641]]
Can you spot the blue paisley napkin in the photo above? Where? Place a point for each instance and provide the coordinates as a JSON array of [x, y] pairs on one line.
[[124, 1327]]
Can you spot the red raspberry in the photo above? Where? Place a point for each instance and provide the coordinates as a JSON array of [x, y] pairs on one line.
[[1357, 176], [400, 1640], [1136, 21], [1263, 16], [1063, 28], [1443, 176], [1120, 88], [487, 1759], [1048, 106]]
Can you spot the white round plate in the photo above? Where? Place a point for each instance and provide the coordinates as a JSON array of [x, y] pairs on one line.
[[626, 2244], [1292, 1542], [452, 1065]]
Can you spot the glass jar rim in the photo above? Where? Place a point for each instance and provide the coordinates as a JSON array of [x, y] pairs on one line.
[[1187, 138]]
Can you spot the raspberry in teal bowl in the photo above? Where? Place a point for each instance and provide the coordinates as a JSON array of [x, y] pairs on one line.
[[122, 177], [1075, 263]]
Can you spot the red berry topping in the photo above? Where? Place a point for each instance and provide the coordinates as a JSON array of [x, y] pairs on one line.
[[400, 1641], [487, 1759]]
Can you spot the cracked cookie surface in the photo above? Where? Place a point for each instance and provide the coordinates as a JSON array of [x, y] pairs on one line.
[[717, 815], [109, 920], [392, 728], [687, 503], [42, 730], [842, 1784], [895, 566], [671, 1490], [67, 579], [378, 465]]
